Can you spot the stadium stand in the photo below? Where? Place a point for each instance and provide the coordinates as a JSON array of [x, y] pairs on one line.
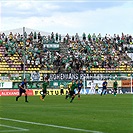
[[55, 53]]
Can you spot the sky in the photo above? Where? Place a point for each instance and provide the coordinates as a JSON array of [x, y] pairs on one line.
[[68, 16]]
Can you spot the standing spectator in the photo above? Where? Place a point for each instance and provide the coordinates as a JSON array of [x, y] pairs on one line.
[[22, 65], [35, 36], [56, 37], [52, 37], [89, 37], [84, 37], [59, 37], [25, 35], [76, 37], [94, 37], [67, 38], [99, 36], [32, 62], [39, 37], [72, 38], [10, 36]]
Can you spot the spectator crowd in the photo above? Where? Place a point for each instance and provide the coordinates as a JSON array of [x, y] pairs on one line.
[[75, 54]]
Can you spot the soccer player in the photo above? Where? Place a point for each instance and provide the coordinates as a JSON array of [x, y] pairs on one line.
[[80, 85], [73, 87], [96, 88], [104, 89], [44, 89], [115, 85], [22, 90]]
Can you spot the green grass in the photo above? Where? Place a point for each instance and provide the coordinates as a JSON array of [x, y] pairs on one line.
[[107, 114]]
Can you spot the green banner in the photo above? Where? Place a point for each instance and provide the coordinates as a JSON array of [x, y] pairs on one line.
[[53, 46]]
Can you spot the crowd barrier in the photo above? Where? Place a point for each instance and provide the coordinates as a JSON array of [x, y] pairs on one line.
[[56, 83], [34, 88], [37, 92]]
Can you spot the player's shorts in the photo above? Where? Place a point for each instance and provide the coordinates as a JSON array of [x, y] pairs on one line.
[[104, 88], [96, 90], [21, 91], [72, 93], [44, 91], [79, 89], [115, 89]]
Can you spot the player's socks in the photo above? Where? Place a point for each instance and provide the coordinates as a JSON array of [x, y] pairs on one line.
[[67, 96], [43, 96], [71, 99], [78, 97], [26, 99], [17, 98]]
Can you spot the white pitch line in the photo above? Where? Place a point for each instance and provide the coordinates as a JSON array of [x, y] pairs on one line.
[[49, 125], [5, 131], [18, 128]]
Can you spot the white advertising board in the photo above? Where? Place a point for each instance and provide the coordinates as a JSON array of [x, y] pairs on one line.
[[5, 85], [91, 83]]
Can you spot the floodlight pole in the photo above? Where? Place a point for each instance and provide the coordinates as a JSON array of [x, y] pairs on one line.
[[24, 39]]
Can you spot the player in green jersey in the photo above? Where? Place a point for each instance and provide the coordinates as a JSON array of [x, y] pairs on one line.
[[44, 89], [72, 91], [115, 85]]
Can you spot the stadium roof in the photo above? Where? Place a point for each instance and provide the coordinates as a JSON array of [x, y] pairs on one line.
[[28, 30]]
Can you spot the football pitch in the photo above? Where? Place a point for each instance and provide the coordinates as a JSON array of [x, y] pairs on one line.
[[92, 114]]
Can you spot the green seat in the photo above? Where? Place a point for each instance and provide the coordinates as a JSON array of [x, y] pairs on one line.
[[29, 85], [15, 85], [34, 86]]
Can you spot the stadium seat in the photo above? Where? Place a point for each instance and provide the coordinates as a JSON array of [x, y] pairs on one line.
[[34, 86]]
